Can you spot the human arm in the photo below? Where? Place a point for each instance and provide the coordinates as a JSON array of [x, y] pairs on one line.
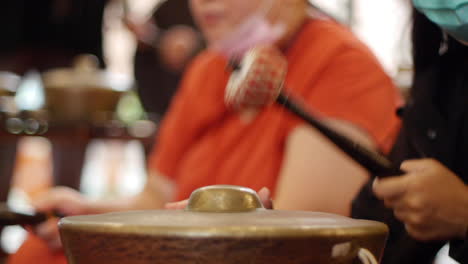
[[175, 135], [316, 175], [429, 199], [158, 190], [353, 96], [308, 152]]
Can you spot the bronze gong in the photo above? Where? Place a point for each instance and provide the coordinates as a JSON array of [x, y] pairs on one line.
[[222, 224]]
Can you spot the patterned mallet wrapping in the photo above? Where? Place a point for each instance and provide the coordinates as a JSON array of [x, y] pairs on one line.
[[259, 79]]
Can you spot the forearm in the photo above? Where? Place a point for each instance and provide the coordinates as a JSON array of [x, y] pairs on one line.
[[157, 192], [316, 175], [327, 189], [141, 201]]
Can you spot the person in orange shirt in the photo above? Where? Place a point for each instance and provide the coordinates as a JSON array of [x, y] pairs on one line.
[[202, 142]]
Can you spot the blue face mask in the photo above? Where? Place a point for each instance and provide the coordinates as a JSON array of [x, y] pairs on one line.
[[450, 15]]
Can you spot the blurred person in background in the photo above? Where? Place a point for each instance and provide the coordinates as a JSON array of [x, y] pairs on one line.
[[203, 142], [166, 44], [427, 207]]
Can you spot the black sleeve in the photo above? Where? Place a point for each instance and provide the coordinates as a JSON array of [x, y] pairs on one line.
[[401, 248], [459, 250]]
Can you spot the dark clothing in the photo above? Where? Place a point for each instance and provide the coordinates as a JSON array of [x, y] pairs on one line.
[[435, 125], [157, 84]]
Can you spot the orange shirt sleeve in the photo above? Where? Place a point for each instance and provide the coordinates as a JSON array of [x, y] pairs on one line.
[[339, 78], [190, 112], [354, 87]]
